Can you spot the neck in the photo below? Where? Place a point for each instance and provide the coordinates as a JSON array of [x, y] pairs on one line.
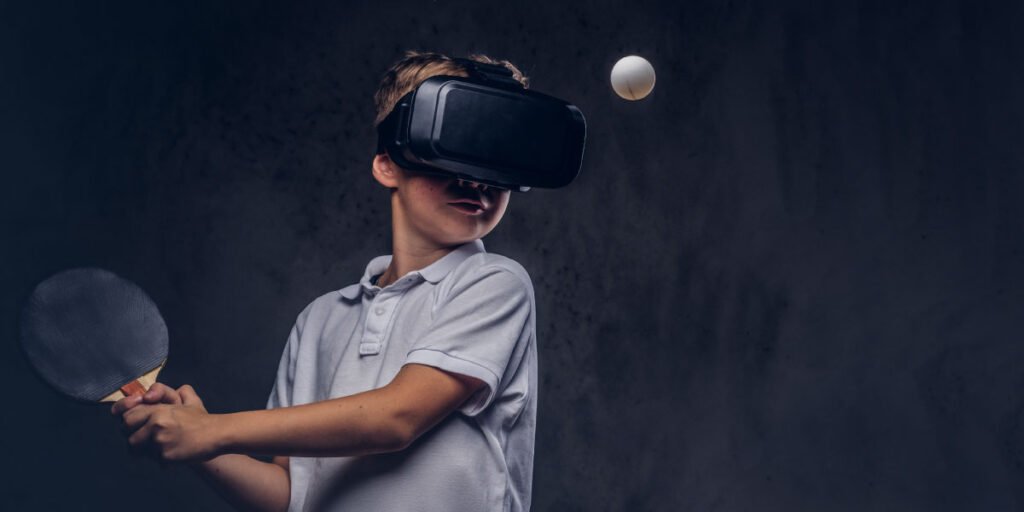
[[409, 251], [407, 256]]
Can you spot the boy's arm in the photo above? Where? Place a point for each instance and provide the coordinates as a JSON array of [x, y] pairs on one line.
[[381, 420], [247, 483]]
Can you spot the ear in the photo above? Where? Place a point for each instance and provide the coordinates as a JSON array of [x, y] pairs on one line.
[[385, 171]]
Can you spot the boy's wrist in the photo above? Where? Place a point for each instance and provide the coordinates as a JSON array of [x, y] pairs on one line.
[[223, 438]]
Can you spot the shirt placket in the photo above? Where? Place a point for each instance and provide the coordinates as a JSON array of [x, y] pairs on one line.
[[378, 318]]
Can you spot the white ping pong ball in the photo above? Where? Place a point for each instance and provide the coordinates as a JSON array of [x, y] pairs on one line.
[[633, 77]]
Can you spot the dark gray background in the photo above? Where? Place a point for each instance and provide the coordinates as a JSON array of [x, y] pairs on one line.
[[790, 279]]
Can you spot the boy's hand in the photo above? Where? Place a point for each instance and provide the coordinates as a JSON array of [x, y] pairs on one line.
[[158, 393], [175, 425]]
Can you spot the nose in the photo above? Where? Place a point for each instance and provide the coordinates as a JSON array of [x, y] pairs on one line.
[[472, 184]]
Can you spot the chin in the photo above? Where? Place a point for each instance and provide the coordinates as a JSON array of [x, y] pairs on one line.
[[463, 237], [462, 240], [470, 231]]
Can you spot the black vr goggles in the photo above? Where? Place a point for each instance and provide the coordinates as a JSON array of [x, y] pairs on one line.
[[486, 128]]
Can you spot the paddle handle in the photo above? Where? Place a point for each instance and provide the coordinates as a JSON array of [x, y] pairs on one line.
[[135, 387]]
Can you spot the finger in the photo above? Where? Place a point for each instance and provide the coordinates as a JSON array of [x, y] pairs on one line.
[[140, 437], [189, 396], [127, 430], [160, 393], [138, 416], [125, 404]]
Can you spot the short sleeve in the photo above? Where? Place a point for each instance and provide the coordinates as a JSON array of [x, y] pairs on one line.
[[281, 392], [481, 328]]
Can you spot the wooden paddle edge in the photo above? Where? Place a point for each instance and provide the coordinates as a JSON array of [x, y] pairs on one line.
[[137, 386]]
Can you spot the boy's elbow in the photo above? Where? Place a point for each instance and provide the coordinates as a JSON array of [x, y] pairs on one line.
[[402, 443], [399, 433]]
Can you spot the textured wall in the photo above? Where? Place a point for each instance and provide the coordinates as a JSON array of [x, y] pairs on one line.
[[788, 280]]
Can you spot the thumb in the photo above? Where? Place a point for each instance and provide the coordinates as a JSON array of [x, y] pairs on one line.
[[161, 393], [189, 396]]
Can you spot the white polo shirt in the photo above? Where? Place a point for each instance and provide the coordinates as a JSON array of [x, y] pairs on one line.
[[470, 312]]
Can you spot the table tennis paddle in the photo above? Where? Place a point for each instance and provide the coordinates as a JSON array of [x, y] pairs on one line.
[[93, 335]]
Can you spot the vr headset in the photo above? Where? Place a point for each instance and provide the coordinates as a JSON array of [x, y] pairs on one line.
[[486, 128]]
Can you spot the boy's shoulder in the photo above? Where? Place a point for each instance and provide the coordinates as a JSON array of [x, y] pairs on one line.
[[490, 263]]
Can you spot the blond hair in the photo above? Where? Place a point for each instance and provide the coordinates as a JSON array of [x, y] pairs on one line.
[[407, 74]]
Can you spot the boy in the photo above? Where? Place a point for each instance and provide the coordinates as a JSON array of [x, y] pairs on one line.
[[415, 389]]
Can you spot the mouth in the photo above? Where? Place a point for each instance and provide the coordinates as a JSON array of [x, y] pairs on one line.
[[468, 206]]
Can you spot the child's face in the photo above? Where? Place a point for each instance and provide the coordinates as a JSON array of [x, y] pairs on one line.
[[440, 209]]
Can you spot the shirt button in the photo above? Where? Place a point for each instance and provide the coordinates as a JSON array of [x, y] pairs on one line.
[[379, 311]]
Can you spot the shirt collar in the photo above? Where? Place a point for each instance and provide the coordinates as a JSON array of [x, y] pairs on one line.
[[434, 272]]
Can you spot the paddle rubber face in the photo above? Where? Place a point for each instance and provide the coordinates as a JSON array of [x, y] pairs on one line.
[[88, 332]]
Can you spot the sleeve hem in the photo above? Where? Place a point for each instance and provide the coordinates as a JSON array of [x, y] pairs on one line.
[[440, 360]]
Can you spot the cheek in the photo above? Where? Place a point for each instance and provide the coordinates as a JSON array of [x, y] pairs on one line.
[[432, 190], [426, 193], [499, 210]]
